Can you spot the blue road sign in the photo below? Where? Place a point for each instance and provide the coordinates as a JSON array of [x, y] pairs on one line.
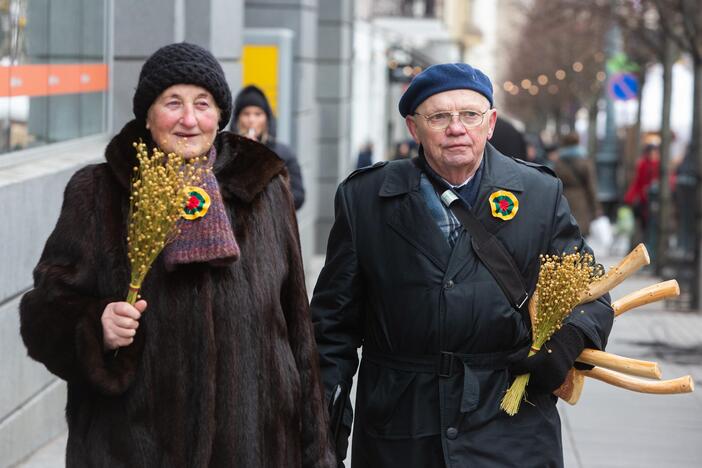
[[623, 86]]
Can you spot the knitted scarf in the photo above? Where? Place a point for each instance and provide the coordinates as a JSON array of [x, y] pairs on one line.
[[208, 239]]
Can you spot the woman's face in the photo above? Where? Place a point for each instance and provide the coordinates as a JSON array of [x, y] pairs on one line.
[[184, 120], [252, 122]]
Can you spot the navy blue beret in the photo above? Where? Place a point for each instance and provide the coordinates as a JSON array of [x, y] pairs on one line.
[[444, 77]]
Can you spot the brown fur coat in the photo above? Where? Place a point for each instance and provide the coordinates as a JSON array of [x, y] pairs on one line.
[[223, 371]]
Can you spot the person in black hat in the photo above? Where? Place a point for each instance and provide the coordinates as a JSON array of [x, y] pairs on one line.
[[253, 118], [442, 337], [216, 365]]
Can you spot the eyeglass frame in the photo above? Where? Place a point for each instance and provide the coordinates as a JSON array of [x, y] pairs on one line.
[[452, 114]]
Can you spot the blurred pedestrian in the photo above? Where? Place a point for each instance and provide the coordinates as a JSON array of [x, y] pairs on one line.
[[535, 151], [575, 170], [637, 195], [508, 140], [253, 118], [220, 368], [365, 156], [403, 150]]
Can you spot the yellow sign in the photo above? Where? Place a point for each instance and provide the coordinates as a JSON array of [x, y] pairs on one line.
[[260, 68]]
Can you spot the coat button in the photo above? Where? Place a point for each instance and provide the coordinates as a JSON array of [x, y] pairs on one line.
[[451, 433], [449, 284]]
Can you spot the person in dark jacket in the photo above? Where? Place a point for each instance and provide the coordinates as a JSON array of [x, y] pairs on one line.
[[253, 118], [441, 341], [508, 140], [365, 156], [220, 369]]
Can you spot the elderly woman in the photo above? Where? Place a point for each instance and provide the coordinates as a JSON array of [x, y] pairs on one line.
[[220, 368]]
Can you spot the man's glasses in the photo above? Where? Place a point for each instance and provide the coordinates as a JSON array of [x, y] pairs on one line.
[[441, 120]]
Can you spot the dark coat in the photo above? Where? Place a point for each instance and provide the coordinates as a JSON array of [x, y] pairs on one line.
[[392, 284], [579, 188], [223, 371], [294, 172], [508, 140]]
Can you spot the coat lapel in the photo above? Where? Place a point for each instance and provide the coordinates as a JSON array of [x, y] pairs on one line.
[[410, 217], [499, 173]]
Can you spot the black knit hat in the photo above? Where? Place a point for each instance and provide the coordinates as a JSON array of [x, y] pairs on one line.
[[251, 96], [182, 63]]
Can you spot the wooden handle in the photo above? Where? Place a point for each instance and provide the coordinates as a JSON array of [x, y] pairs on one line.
[[572, 387], [629, 265], [623, 364], [646, 295], [683, 384]]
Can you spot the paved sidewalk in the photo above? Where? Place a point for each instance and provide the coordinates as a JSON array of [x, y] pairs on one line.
[[615, 428], [609, 427]]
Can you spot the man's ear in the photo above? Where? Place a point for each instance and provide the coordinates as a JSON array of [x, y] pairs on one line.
[[412, 127], [492, 120]]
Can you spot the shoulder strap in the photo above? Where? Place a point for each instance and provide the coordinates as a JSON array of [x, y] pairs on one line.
[[488, 248]]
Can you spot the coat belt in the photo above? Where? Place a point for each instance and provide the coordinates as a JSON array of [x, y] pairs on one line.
[[442, 365]]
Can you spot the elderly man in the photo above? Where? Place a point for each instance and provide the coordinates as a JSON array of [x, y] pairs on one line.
[[444, 328]]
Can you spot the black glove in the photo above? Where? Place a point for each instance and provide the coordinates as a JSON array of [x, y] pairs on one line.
[[549, 367], [338, 430]]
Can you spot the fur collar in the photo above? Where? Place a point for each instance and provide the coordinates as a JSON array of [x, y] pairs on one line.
[[243, 167]]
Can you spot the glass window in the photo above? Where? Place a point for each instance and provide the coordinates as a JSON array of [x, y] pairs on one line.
[[53, 71]]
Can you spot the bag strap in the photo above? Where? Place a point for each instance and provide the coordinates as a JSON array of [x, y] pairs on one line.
[[488, 248]]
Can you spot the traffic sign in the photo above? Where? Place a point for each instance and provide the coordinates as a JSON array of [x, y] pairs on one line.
[[623, 86]]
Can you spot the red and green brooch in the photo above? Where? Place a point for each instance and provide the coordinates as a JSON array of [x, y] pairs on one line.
[[504, 205], [196, 204]]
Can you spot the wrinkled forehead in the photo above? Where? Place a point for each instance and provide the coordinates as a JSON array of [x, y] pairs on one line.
[[455, 99], [185, 90]]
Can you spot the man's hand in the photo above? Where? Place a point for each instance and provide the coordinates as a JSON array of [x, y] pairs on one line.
[[549, 367], [120, 321]]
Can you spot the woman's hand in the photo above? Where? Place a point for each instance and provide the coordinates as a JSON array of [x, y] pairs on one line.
[[120, 321]]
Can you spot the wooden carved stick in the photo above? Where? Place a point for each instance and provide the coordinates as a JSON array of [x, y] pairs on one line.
[[629, 265], [646, 295], [683, 384], [638, 298], [572, 388], [622, 364]]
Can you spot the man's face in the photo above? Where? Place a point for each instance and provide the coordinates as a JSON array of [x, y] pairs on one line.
[[454, 149]]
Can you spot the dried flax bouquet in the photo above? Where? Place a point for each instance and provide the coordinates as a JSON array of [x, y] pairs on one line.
[[563, 279], [156, 202]]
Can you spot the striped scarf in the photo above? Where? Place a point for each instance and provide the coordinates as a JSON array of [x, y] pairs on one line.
[[209, 239]]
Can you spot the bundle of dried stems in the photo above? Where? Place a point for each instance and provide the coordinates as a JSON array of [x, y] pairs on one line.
[[156, 201]]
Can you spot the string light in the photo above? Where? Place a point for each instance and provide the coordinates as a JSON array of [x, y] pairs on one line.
[[542, 79]]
